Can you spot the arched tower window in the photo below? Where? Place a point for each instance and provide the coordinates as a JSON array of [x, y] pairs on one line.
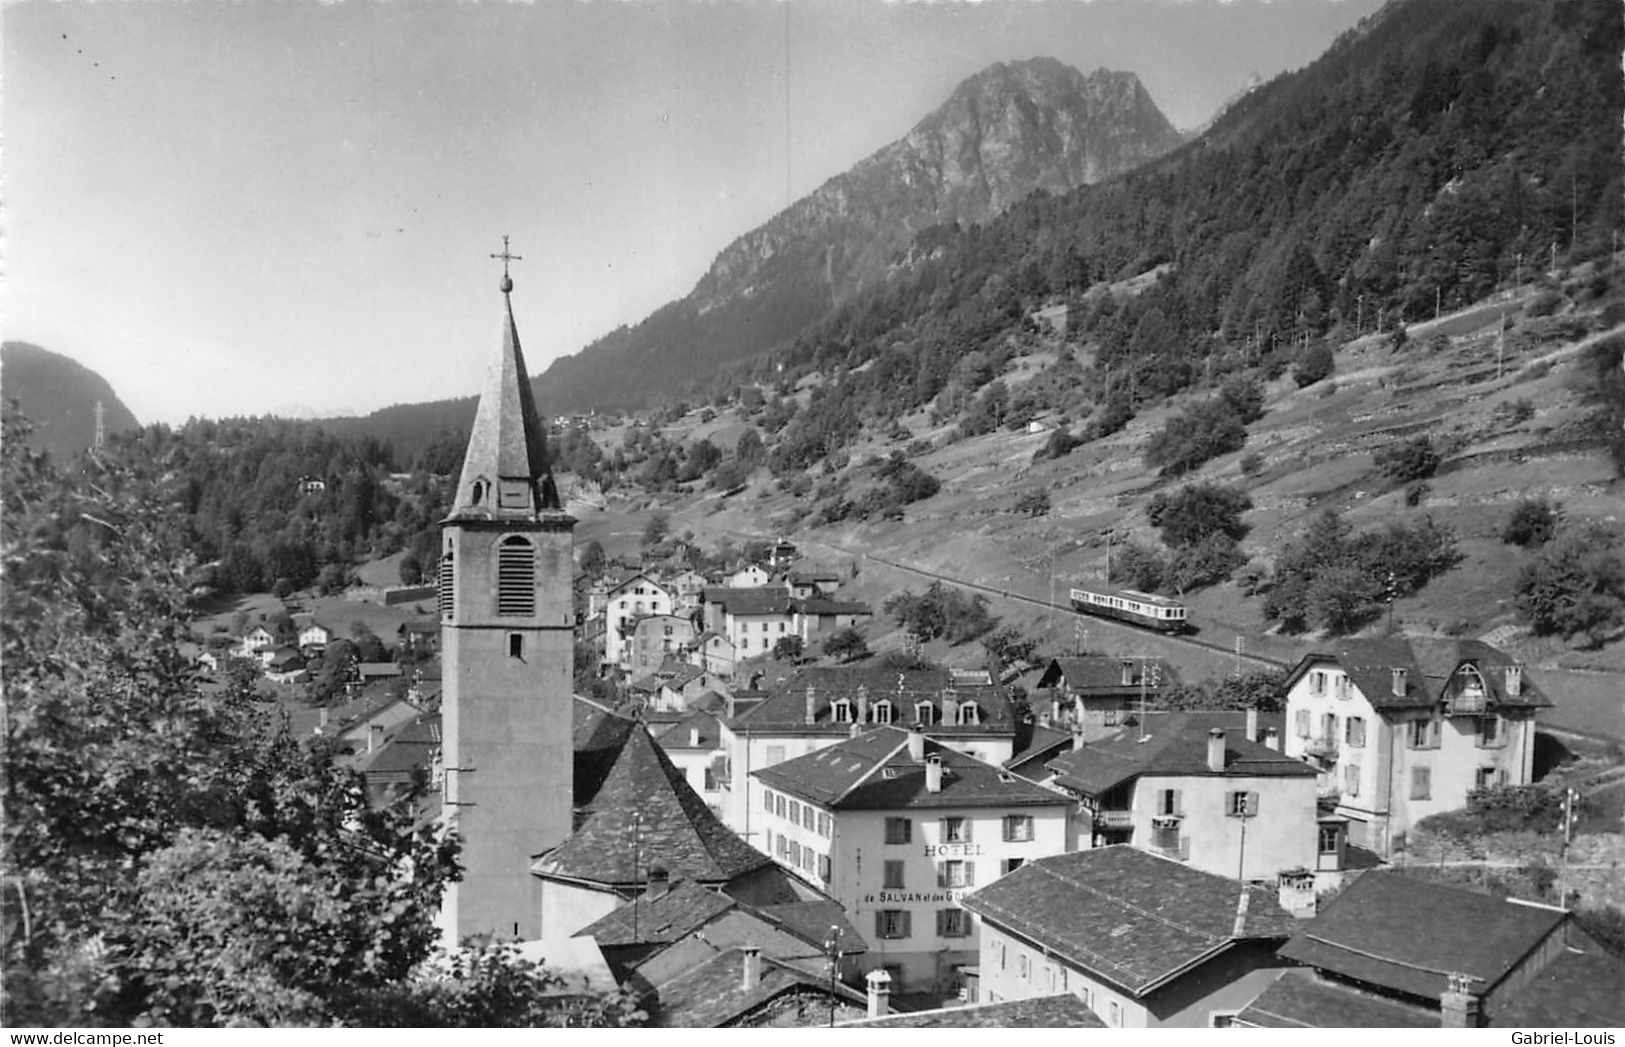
[[478, 493], [516, 577], [447, 594]]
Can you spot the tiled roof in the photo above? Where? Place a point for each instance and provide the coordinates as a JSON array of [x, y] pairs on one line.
[[751, 601], [785, 709], [679, 912], [1045, 744], [1579, 989], [713, 995], [1429, 666], [1301, 1000], [646, 815], [875, 772], [635, 576], [679, 735], [1173, 744], [1102, 674], [1125, 915], [812, 921], [1408, 935], [410, 746], [1061, 1011]]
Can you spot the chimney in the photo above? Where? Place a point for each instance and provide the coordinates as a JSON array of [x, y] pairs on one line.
[[1514, 681], [375, 736], [950, 705], [1215, 750], [879, 985], [659, 883], [863, 704], [1399, 681], [812, 703], [1252, 724], [693, 737], [731, 707], [324, 716], [933, 773], [857, 729], [1459, 1006], [1077, 737], [1128, 673], [752, 972], [1295, 891], [1272, 739], [916, 743]]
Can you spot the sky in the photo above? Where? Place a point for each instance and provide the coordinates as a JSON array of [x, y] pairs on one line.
[[284, 206]]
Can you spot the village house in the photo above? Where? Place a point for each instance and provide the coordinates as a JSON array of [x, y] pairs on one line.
[[283, 664], [716, 654], [1097, 693], [688, 590], [1146, 942], [816, 617], [753, 620], [818, 706], [1401, 729], [807, 585], [693, 742], [255, 641], [747, 576], [1061, 1011], [1187, 788], [657, 638], [629, 601], [418, 636], [741, 988], [1397, 951], [675, 686], [932, 823], [314, 638]]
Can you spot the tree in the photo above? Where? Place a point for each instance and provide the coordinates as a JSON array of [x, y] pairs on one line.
[[656, 528], [1201, 433], [846, 645], [1532, 524], [1261, 689], [1315, 364], [788, 648], [1193, 513], [1138, 567], [593, 558], [1576, 585]]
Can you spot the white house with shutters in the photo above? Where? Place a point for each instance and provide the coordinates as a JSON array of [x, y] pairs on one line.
[[628, 602], [897, 828], [1401, 729]]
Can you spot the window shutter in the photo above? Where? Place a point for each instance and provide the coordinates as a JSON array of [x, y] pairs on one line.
[[967, 823], [1179, 801], [1252, 805], [1302, 717], [908, 924], [942, 874], [880, 923], [942, 923], [970, 874]]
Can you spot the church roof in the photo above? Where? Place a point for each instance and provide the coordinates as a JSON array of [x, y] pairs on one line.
[[507, 441], [647, 815]]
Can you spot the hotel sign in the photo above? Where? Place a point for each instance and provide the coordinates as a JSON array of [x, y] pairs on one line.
[[953, 850], [903, 897]]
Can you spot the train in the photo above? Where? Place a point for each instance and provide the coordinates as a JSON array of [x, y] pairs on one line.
[[1130, 605]]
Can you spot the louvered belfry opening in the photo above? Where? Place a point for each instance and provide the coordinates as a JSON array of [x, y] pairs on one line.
[[447, 590], [516, 577]]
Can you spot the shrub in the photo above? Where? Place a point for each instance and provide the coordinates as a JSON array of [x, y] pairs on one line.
[[1033, 503], [1208, 562], [1201, 433], [1532, 524], [1315, 364], [1416, 492], [1515, 412], [1137, 567], [1409, 460], [846, 645], [1544, 304], [1059, 445], [941, 611], [1245, 397], [1575, 586], [1252, 463]]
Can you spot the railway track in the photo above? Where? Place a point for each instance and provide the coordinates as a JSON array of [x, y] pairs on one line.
[[1107, 623]]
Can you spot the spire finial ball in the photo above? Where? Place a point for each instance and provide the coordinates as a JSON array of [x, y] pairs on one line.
[[506, 285]]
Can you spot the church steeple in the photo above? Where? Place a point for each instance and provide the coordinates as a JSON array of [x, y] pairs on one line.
[[506, 474]]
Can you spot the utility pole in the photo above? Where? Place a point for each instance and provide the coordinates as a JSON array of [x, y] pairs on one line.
[[1240, 643], [1571, 814], [1500, 344], [832, 950], [1436, 298], [1359, 316]]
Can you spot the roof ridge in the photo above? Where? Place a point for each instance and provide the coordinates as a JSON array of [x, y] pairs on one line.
[[1389, 959], [1038, 931]]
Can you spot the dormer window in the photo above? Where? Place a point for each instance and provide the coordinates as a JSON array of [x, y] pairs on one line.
[[477, 495], [925, 712], [881, 711], [841, 708], [970, 712]]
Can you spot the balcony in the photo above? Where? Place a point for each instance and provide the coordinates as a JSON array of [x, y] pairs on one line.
[[1466, 703], [1114, 819], [1325, 748]]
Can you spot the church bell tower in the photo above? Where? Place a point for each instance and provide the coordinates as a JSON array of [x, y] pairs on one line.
[[506, 628]]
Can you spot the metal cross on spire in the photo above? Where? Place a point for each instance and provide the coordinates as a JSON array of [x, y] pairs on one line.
[[507, 282]]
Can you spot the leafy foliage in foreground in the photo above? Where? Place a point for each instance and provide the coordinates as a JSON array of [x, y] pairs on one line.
[[171, 855]]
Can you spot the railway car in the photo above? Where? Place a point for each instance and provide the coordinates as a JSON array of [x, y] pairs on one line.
[[1129, 605]]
